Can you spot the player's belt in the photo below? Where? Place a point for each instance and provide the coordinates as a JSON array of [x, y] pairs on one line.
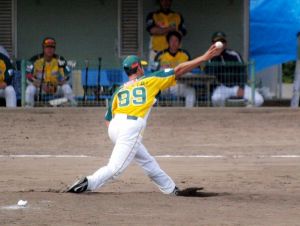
[[131, 117], [125, 116]]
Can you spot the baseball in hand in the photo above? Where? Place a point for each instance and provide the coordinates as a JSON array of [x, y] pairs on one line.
[[219, 44]]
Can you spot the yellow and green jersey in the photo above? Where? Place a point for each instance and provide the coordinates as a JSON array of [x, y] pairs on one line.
[[136, 97], [6, 70], [163, 19], [165, 59], [55, 70]]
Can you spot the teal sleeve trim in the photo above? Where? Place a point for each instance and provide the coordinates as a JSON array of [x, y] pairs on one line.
[[163, 73], [108, 114]]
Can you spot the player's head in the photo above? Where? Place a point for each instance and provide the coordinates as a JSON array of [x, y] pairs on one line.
[[49, 45], [165, 5], [174, 40], [219, 36], [132, 64]]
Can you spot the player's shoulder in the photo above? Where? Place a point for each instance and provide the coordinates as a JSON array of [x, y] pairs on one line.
[[160, 54], [234, 54], [185, 52], [36, 57]]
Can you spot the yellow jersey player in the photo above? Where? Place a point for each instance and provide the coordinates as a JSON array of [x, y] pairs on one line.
[[159, 24], [170, 58], [7, 91], [48, 73], [126, 119]]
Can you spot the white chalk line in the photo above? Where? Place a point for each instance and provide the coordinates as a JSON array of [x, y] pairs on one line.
[[45, 156], [157, 156]]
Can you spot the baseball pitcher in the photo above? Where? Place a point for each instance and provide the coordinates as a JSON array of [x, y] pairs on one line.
[[126, 119]]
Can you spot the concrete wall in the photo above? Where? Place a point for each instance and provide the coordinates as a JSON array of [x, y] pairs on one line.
[[202, 18], [83, 29], [87, 29]]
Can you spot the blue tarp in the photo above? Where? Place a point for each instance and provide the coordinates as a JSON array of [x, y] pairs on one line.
[[274, 25]]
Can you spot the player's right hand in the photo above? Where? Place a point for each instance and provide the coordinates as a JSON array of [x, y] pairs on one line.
[[212, 52]]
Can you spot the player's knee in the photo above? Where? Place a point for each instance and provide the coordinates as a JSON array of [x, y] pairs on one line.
[[259, 100], [67, 89], [9, 90], [217, 99], [30, 90]]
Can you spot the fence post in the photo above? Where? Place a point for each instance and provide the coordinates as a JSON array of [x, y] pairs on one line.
[[23, 82], [252, 74]]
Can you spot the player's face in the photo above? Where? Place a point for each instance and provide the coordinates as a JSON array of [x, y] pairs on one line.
[[49, 52], [140, 71], [174, 44], [165, 4]]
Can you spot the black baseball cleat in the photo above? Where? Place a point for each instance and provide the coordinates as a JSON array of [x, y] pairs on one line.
[[79, 186], [188, 192], [176, 191]]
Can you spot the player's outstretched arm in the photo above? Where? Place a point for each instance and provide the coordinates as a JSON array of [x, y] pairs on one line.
[[187, 66]]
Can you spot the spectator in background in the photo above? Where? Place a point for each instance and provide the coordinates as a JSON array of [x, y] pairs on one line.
[[49, 72], [230, 71], [170, 58], [6, 75], [159, 24]]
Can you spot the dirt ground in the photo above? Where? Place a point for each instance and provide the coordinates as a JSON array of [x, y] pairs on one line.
[[247, 160]]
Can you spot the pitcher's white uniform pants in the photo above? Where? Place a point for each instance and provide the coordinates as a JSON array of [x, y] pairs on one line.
[[222, 93], [31, 90], [126, 134], [10, 96]]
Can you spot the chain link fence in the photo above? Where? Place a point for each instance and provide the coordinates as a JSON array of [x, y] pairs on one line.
[[93, 85]]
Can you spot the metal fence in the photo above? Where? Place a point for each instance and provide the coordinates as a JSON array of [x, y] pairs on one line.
[[94, 86]]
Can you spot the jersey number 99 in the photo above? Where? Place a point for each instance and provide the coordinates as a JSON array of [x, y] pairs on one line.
[[136, 96]]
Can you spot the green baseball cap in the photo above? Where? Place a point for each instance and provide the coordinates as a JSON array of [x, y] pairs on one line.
[[132, 61]]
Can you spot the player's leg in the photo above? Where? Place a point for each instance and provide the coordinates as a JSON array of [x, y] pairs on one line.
[[258, 98], [10, 97], [221, 93], [153, 170], [68, 93], [29, 95], [183, 90], [152, 65], [127, 136]]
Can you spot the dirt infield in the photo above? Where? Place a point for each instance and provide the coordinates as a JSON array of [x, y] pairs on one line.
[[247, 160]]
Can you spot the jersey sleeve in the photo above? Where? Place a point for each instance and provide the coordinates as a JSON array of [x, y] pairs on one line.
[[30, 67], [64, 69]]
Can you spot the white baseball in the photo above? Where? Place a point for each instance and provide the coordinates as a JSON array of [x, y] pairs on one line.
[[219, 44]]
